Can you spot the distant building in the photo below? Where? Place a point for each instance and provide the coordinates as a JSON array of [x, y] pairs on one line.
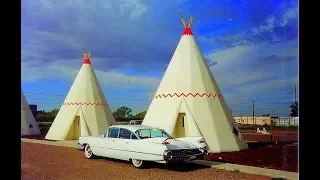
[[266, 120], [34, 109], [286, 121], [262, 120]]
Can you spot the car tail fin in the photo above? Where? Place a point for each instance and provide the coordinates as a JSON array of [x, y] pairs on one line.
[[165, 142], [202, 141]]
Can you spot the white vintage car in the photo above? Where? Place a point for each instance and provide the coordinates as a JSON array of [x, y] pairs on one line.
[[140, 144]]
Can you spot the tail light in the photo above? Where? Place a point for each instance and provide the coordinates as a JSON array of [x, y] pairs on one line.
[[201, 141], [165, 142]]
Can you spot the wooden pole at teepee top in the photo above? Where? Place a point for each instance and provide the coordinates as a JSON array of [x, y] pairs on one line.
[[183, 21]]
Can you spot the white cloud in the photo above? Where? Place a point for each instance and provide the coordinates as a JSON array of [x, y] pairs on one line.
[[240, 65], [270, 85], [117, 79], [291, 13], [138, 11], [58, 38], [273, 21], [132, 9], [47, 4], [269, 25], [56, 71], [230, 56], [255, 35], [239, 78]]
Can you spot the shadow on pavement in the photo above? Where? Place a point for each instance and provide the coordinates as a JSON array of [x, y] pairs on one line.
[[180, 167]]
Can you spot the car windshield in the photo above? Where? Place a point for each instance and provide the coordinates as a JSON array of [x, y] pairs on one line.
[[152, 133]]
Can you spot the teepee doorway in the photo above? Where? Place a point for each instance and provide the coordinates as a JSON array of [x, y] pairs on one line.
[[181, 124], [75, 130]]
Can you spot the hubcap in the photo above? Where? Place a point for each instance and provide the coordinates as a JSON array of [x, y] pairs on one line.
[[88, 151], [137, 162]]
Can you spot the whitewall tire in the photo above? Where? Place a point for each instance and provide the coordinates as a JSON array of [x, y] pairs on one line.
[[138, 163], [88, 152]]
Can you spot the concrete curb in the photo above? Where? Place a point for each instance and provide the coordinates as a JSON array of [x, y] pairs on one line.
[[70, 143], [249, 169], [218, 165]]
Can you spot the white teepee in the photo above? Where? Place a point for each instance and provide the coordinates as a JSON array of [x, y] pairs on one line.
[[85, 111], [189, 102], [29, 125]]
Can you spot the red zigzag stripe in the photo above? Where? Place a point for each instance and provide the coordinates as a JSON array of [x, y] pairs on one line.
[[25, 109], [189, 94], [85, 103]]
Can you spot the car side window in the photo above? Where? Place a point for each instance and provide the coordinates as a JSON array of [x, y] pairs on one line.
[[113, 133], [145, 133], [124, 134], [133, 136], [156, 133]]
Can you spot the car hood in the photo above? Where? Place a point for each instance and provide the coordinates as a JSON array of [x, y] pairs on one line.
[[173, 143]]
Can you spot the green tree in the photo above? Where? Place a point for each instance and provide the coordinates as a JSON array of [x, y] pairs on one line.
[[141, 115], [294, 109], [54, 112], [49, 116], [122, 112]]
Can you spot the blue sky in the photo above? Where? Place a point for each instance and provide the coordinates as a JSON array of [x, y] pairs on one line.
[[251, 47]]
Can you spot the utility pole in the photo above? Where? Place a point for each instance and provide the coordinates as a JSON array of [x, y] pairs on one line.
[[272, 113], [295, 93], [295, 97], [253, 112]]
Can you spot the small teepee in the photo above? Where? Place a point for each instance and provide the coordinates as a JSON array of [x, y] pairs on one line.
[[29, 125], [85, 111], [189, 102]]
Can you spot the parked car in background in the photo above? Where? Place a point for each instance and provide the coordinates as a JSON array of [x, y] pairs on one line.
[[135, 122], [140, 144]]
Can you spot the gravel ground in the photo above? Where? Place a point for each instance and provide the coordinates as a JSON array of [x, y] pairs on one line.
[[279, 156], [274, 137], [40, 161], [282, 157]]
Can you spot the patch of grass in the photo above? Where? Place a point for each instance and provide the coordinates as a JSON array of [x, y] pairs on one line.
[[44, 123], [44, 126], [236, 170]]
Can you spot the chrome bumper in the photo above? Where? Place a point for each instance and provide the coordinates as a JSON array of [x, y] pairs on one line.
[[169, 156], [80, 146]]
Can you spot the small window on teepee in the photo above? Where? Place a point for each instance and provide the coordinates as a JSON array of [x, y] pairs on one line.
[[30, 126]]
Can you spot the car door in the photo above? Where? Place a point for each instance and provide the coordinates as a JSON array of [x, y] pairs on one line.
[[134, 151], [108, 142], [121, 144]]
